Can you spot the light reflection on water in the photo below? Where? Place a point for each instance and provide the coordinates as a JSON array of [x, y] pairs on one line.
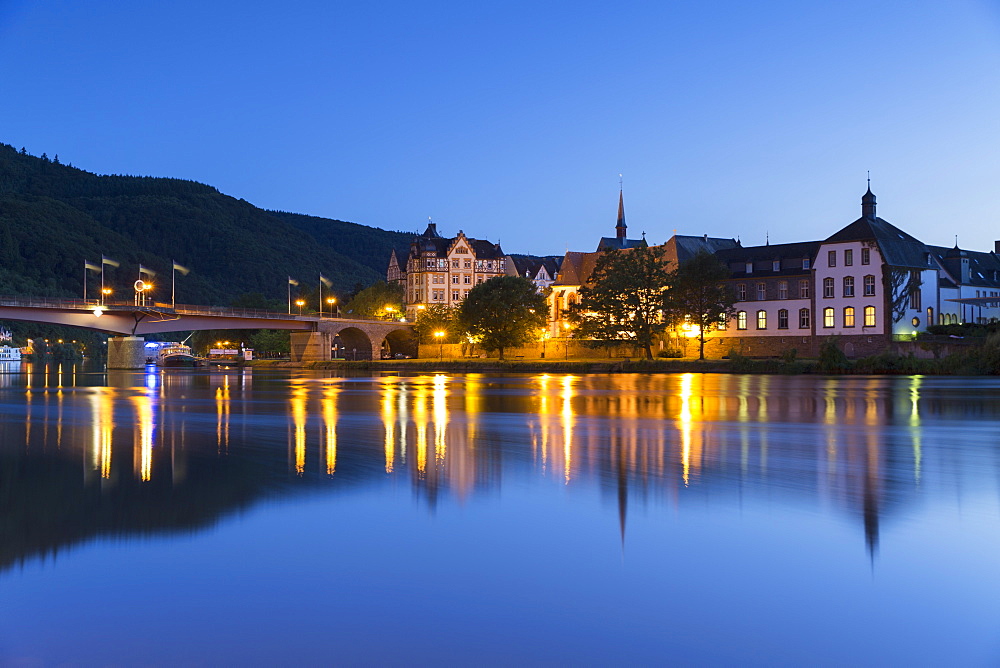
[[170, 453]]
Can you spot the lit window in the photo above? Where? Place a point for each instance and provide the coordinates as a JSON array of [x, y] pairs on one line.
[[866, 256], [761, 291], [831, 258], [783, 318], [804, 291], [869, 316], [828, 287], [869, 286], [741, 320], [761, 319], [828, 316], [848, 257], [848, 286], [805, 319], [782, 289], [848, 316]]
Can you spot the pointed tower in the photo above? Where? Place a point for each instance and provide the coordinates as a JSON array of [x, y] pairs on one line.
[[868, 204], [620, 229]]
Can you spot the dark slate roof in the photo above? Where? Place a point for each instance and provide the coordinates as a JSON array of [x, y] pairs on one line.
[[529, 265], [431, 242], [485, 250], [770, 252], [688, 246], [898, 248], [984, 268], [615, 242]]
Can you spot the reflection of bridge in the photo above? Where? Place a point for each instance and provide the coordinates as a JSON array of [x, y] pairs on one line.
[[311, 336]]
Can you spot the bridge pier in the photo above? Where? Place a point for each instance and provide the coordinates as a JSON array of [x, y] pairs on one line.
[[126, 352], [311, 346]]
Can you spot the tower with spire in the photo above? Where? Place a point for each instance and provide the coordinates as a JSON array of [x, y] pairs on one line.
[[620, 240]]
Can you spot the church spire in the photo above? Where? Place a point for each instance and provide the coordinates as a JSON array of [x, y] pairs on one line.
[[620, 231]]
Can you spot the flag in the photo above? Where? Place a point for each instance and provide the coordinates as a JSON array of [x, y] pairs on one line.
[[107, 260], [325, 281], [146, 270], [184, 270], [292, 281], [90, 266]]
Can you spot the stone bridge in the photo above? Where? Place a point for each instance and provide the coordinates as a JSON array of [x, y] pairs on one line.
[[312, 337]]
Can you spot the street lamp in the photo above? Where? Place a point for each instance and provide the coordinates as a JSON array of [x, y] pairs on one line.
[[105, 294], [545, 337], [332, 301], [300, 303], [390, 310], [566, 341], [439, 335]]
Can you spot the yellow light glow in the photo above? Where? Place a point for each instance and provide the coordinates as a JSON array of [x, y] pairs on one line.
[[145, 429], [567, 425], [300, 394], [330, 393]]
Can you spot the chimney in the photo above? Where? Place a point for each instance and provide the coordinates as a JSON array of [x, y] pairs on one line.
[[996, 247]]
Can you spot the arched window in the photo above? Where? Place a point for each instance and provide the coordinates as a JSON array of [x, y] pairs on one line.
[[783, 318], [805, 318], [828, 287], [828, 316], [848, 316], [848, 286], [762, 319], [869, 286], [741, 320], [869, 316]]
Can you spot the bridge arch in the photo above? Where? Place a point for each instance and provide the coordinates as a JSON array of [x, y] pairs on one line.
[[357, 345]]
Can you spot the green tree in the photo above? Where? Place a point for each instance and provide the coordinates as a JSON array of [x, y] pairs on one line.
[[625, 297], [503, 312], [267, 342], [381, 300], [700, 296], [435, 318]]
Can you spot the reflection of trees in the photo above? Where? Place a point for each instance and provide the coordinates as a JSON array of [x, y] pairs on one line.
[[175, 452]]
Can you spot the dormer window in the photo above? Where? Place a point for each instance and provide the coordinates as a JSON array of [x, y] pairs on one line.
[[776, 265], [805, 263], [749, 267]]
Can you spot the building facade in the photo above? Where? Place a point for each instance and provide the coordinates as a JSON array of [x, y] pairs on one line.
[[441, 271]]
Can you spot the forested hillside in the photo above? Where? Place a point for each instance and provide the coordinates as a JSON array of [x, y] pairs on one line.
[[54, 216]]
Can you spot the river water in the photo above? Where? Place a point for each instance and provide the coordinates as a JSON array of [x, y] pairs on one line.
[[240, 517]]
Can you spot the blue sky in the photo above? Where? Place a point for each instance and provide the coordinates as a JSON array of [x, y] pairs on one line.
[[513, 120]]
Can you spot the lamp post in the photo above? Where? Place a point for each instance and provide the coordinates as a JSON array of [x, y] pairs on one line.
[[566, 340], [545, 337], [300, 303], [389, 309], [332, 301], [105, 294], [439, 335]]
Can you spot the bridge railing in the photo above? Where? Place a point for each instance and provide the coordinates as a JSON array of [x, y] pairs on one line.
[[179, 309]]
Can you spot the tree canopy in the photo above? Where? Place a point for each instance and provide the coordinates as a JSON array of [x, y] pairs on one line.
[[626, 297], [381, 300], [437, 318], [700, 296], [503, 312]]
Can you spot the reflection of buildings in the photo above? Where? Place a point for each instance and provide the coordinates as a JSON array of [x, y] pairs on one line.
[[178, 450]]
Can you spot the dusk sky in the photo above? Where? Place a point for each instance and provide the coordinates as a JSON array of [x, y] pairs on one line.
[[513, 120]]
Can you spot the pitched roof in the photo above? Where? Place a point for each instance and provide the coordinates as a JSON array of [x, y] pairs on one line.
[[530, 265], [615, 242], [800, 249], [898, 248], [688, 246], [576, 268], [984, 268]]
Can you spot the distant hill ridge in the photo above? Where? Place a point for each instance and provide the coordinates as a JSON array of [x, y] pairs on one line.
[[54, 216]]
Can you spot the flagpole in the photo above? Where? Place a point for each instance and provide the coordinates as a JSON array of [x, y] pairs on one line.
[[84, 282], [321, 295], [289, 295], [102, 280], [173, 284]]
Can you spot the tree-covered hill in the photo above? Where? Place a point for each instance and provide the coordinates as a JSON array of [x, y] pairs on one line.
[[54, 216]]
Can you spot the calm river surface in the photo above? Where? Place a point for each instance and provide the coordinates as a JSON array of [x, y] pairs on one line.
[[240, 517]]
